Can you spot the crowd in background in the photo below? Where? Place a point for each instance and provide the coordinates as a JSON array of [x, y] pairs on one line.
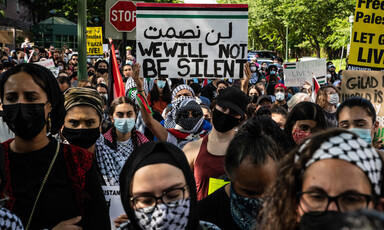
[[286, 157]]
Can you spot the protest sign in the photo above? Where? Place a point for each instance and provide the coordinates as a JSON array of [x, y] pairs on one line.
[[192, 40], [112, 197], [94, 41], [49, 64], [369, 85], [298, 73], [367, 43]]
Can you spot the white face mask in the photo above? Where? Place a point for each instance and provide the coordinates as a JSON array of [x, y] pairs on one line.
[[328, 75], [280, 96], [334, 99], [253, 69]]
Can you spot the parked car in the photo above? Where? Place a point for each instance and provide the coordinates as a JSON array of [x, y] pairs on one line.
[[262, 56]]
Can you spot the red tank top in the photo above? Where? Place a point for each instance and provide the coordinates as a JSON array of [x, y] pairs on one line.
[[206, 166]]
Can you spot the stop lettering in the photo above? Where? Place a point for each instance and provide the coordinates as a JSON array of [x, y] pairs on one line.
[[122, 16]]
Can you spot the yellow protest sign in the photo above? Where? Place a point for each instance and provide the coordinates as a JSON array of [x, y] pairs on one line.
[[215, 184], [367, 44], [94, 41]]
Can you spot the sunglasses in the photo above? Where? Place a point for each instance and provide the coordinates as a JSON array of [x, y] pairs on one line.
[[194, 114]]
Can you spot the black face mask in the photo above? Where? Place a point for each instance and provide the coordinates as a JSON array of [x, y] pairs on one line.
[[25, 120], [83, 138], [224, 122], [90, 74], [318, 220], [102, 71]]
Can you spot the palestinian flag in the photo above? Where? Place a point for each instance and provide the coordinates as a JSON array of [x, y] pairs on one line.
[[115, 81], [290, 66], [315, 88]]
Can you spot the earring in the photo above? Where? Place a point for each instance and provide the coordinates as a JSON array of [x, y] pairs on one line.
[[49, 124]]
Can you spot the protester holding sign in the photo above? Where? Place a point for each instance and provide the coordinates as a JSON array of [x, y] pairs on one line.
[[184, 123]]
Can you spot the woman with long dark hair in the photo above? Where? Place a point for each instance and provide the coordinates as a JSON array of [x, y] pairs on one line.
[[47, 182], [160, 95]]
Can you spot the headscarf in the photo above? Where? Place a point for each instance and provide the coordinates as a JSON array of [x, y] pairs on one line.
[[83, 96], [45, 79], [349, 147], [169, 122], [156, 152]]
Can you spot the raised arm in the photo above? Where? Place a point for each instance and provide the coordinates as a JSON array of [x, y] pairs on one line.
[[156, 128], [247, 76]]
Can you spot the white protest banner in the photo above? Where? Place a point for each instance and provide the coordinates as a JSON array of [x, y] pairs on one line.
[[112, 197], [49, 64], [192, 40], [297, 73]]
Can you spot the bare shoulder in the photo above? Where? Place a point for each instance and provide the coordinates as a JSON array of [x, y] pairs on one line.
[[192, 148]]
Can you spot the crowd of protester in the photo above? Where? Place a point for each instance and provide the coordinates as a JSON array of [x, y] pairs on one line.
[[186, 154]]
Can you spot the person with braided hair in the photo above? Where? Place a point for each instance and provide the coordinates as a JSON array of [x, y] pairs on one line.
[[123, 113]]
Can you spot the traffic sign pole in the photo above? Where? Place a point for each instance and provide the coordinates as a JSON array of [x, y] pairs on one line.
[[124, 53]]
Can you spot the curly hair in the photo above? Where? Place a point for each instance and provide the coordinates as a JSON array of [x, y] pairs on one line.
[[321, 98], [280, 212], [112, 108]]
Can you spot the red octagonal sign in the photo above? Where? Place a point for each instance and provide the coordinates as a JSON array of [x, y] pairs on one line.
[[122, 15]]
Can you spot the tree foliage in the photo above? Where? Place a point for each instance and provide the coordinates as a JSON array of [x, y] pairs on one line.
[[312, 24]]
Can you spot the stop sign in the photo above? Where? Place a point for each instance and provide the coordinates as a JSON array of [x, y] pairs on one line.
[[122, 15]]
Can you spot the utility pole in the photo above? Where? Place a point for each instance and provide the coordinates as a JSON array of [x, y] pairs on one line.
[[82, 40]]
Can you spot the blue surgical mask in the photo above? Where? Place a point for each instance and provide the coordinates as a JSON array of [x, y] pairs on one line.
[[124, 125], [244, 210], [272, 72], [364, 134], [160, 84]]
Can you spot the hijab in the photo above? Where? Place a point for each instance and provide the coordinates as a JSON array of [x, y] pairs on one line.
[[157, 152]]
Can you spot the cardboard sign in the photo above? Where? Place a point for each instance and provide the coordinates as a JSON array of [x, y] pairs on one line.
[[94, 41], [49, 64], [298, 73], [112, 197], [367, 43], [369, 85], [192, 40]]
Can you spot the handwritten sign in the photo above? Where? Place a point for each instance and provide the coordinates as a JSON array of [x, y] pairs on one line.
[[192, 40], [369, 85], [112, 197], [94, 41], [49, 64], [298, 73], [367, 43]]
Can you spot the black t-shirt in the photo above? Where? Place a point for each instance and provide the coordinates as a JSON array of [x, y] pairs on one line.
[[215, 209], [57, 201], [330, 119]]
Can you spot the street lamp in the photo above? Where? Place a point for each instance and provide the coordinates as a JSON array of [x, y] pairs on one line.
[[351, 20]]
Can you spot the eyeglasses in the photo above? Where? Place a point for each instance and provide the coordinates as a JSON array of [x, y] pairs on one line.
[[318, 201], [186, 114], [147, 203]]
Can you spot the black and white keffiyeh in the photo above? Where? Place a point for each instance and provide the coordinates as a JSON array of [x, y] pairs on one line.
[[108, 162], [353, 149], [9, 221], [131, 89]]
